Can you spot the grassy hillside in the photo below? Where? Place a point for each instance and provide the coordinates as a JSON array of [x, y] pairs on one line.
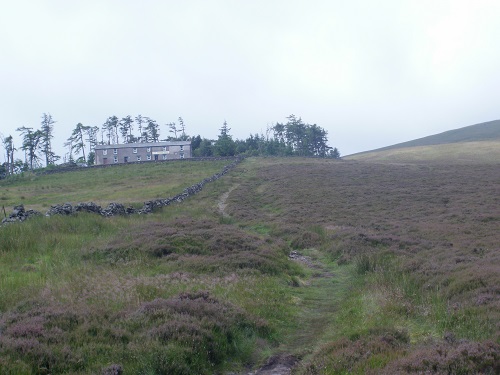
[[486, 131], [478, 143], [127, 184], [484, 152], [395, 269]]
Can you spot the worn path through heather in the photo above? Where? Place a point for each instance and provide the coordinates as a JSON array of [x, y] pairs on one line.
[[318, 298], [222, 201]]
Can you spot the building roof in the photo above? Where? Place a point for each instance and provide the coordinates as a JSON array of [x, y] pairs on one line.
[[150, 144]]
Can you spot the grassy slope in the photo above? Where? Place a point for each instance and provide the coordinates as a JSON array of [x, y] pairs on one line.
[[472, 144], [485, 152], [487, 131], [134, 183], [474, 133], [401, 254]]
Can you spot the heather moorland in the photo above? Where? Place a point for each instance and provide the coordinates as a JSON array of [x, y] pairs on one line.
[[320, 266]]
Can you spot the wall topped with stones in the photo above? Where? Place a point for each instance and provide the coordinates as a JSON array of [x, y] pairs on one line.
[[19, 214]]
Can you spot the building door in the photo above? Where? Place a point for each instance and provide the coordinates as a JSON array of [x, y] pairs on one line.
[[125, 159], [104, 160], [156, 157]]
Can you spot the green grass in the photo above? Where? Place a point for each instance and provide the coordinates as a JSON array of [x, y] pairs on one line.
[[484, 132], [484, 152], [317, 298], [127, 184], [43, 251]]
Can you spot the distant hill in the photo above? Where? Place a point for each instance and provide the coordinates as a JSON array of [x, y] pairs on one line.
[[480, 141], [486, 131]]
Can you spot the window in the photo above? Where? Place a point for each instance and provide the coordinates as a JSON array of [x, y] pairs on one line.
[[115, 159], [182, 148], [104, 152], [165, 148], [148, 149], [115, 151], [138, 158], [148, 156], [164, 157], [134, 150]]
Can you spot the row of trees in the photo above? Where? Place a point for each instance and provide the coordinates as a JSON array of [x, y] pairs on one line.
[[36, 144], [295, 137], [148, 130]]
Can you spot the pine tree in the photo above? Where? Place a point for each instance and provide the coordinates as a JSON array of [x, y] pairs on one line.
[[32, 141], [76, 141], [173, 129], [126, 129], [8, 143], [46, 131], [182, 127], [152, 130], [139, 121], [225, 145]]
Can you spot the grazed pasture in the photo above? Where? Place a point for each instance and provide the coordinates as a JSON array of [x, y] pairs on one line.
[[131, 184]]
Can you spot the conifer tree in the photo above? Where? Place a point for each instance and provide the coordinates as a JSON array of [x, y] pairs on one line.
[[46, 135]]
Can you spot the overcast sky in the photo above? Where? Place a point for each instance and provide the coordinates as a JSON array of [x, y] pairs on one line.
[[372, 73]]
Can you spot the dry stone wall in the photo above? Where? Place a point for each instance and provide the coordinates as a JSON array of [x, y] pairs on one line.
[[75, 168], [19, 214]]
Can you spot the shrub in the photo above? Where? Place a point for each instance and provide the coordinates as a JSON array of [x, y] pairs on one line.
[[196, 324], [358, 354], [200, 246], [188, 333], [464, 357]]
